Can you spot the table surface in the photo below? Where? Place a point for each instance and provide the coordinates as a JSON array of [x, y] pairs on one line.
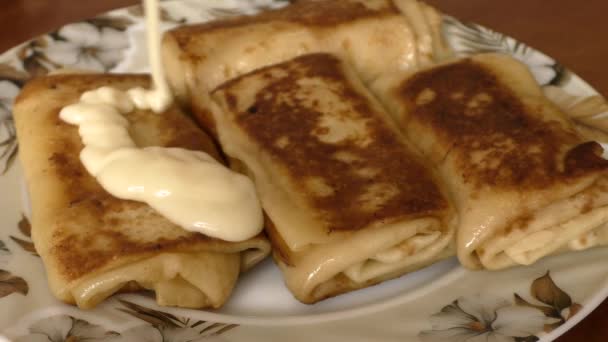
[[573, 32]]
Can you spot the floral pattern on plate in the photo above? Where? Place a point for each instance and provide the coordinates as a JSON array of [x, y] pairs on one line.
[[24, 242], [161, 327], [11, 80], [492, 319], [165, 327], [66, 328], [468, 38], [97, 44], [10, 283]]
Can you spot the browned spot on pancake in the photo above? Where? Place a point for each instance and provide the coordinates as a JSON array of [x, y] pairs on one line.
[[496, 139], [308, 13], [589, 205], [65, 166], [356, 172], [81, 254], [585, 157], [520, 223]]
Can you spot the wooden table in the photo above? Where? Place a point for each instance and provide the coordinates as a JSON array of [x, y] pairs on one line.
[[575, 33]]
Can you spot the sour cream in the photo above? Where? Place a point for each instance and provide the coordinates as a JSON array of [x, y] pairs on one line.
[[189, 188]]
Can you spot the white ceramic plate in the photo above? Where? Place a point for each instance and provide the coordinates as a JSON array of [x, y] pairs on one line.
[[443, 302]]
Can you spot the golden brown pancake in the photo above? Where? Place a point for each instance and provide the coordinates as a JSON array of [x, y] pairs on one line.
[[93, 244], [348, 202], [525, 183], [375, 36]]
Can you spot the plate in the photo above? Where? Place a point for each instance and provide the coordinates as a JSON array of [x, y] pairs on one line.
[[443, 302]]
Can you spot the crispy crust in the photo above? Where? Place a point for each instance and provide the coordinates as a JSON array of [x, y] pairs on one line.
[[308, 13], [496, 138], [280, 111]]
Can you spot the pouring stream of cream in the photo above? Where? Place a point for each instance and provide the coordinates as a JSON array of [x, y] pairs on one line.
[[159, 98]]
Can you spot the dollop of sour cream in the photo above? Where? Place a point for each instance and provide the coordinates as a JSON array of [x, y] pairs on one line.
[[189, 188]]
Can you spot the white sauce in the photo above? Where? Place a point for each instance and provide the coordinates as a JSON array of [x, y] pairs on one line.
[[189, 188]]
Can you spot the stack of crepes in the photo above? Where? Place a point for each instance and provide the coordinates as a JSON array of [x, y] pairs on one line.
[[94, 244], [525, 182], [348, 201]]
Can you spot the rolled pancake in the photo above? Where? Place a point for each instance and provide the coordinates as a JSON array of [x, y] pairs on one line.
[[348, 203], [526, 185], [373, 36], [93, 244]]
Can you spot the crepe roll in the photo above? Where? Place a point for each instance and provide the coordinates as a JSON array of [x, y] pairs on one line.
[[348, 202], [525, 183], [93, 244], [373, 36]]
